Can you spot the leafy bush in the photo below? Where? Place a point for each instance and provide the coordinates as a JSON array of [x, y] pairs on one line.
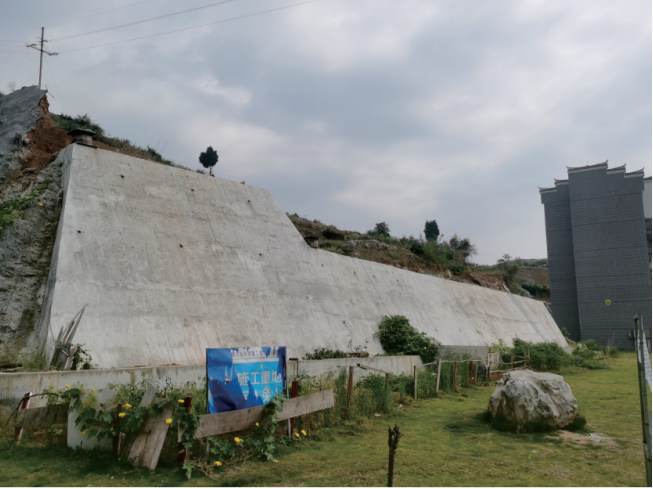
[[380, 229], [536, 290], [324, 353], [417, 248], [398, 337], [544, 356]]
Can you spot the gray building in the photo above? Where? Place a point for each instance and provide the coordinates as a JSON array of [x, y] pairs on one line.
[[598, 236]]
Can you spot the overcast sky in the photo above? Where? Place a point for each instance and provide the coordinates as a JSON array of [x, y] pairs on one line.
[[355, 112]]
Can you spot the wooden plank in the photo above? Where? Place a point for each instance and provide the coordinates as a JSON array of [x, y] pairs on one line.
[[367, 367], [216, 424], [43, 416], [146, 448]]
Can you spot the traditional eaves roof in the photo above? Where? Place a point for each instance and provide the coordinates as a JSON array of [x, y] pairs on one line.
[[598, 166]]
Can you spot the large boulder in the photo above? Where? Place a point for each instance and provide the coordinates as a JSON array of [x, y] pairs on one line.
[[529, 397]]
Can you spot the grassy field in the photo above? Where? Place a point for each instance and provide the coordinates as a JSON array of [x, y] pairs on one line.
[[445, 444]]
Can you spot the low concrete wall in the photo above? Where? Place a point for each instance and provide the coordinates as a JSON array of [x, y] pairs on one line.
[[320, 368], [475, 352], [14, 386]]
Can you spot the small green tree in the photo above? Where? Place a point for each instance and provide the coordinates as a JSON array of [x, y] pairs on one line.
[[209, 159], [431, 231], [380, 229]]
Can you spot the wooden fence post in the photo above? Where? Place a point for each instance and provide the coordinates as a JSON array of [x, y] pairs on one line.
[[471, 371], [350, 386], [24, 405], [183, 453], [437, 382], [387, 381], [415, 382], [455, 374], [476, 372], [293, 393]]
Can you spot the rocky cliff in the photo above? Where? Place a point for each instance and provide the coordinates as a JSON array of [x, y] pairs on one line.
[[30, 205]]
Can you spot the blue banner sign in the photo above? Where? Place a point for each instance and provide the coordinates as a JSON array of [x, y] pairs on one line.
[[240, 378]]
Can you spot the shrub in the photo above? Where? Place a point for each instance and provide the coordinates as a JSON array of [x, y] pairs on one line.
[[324, 353], [544, 356], [380, 229], [398, 337], [417, 248]]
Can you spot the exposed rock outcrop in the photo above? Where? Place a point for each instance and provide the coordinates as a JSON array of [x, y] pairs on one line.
[[527, 397], [28, 146]]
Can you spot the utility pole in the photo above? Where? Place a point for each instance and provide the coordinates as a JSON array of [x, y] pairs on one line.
[[35, 46]]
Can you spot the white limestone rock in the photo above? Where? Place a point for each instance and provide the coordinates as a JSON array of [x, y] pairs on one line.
[[528, 396]]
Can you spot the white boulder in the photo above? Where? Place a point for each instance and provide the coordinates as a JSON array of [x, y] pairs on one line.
[[528, 396]]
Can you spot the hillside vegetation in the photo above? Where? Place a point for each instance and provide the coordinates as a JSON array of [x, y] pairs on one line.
[[447, 259]]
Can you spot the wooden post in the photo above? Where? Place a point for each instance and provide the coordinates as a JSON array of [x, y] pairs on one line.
[[393, 443], [23, 406], [183, 452], [455, 374], [476, 372], [115, 436], [415, 382], [471, 371], [387, 381], [437, 382], [350, 386], [293, 394]]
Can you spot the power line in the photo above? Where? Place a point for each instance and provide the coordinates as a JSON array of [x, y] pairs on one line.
[[139, 21], [100, 13], [193, 27]]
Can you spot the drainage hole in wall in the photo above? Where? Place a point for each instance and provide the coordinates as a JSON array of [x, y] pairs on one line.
[[78, 231], [181, 246], [122, 176]]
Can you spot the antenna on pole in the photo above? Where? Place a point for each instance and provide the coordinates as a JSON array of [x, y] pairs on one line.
[[35, 46]]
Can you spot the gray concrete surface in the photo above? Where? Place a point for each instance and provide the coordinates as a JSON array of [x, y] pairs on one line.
[[171, 262]]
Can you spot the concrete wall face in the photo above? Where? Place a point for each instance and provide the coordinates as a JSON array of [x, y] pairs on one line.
[[560, 249], [610, 252], [171, 262]]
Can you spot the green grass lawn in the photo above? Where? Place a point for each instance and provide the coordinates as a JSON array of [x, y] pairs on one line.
[[445, 444]]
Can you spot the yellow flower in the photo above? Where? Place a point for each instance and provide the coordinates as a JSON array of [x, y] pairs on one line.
[[40, 204], [122, 415], [93, 392], [218, 463], [180, 401], [297, 434], [256, 424], [237, 440], [128, 406], [67, 386], [85, 432], [169, 421], [303, 432]]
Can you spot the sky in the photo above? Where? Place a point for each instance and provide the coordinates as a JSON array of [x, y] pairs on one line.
[[355, 112]]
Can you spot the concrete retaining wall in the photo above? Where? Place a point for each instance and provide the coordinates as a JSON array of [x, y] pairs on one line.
[[171, 262]]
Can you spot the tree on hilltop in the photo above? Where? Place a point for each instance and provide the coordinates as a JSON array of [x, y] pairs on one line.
[[380, 229], [209, 159], [431, 231]]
